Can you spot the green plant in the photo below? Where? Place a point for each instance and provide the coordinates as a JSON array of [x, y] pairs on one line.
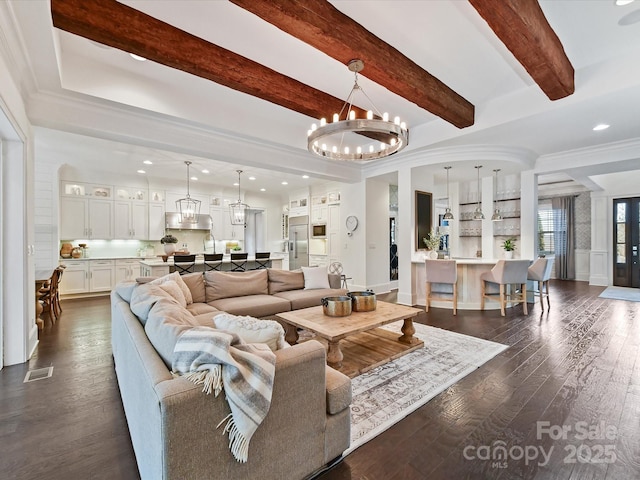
[[168, 238], [432, 240], [509, 245], [236, 248]]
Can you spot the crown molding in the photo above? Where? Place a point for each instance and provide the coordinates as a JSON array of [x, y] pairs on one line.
[[94, 117], [14, 51]]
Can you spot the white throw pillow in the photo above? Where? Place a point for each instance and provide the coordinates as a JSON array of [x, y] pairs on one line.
[[174, 290], [252, 330], [315, 277], [175, 276]]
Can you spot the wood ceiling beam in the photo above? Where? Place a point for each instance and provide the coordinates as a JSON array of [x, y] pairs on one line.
[[525, 31], [120, 26], [321, 25]]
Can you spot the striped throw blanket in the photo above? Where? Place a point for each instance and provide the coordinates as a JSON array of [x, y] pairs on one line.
[[221, 360]]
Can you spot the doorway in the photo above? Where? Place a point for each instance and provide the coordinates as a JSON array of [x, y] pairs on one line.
[[626, 239], [254, 233], [393, 253]]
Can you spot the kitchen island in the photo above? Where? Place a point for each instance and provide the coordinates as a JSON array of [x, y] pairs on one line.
[[156, 267]]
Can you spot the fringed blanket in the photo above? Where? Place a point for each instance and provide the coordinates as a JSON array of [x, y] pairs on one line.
[[217, 360]]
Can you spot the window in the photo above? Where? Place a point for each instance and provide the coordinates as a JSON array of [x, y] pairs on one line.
[[551, 228]]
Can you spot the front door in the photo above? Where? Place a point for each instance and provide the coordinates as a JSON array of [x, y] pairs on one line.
[[626, 238]]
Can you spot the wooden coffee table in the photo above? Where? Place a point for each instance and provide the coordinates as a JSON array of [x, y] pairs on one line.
[[354, 343]]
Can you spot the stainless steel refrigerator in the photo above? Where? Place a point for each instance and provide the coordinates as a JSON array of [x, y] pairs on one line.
[[298, 242]]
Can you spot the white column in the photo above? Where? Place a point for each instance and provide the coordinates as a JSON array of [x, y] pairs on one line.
[[404, 236], [528, 215]]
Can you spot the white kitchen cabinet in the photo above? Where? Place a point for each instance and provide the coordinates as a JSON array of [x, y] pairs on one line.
[[131, 220], [126, 269], [319, 213], [155, 271], [75, 278], [156, 221], [101, 275], [318, 261], [218, 222], [333, 233], [86, 218]]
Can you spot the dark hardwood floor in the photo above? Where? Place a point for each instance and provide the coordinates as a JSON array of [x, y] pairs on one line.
[[575, 367]]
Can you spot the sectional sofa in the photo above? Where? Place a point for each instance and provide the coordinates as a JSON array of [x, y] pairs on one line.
[[173, 423]]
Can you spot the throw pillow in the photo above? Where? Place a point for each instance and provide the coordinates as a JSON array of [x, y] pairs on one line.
[[315, 277], [174, 290], [252, 330], [175, 276]]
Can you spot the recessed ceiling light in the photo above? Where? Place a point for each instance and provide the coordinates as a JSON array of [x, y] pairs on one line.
[[252, 178], [205, 171], [141, 171], [285, 183], [600, 126], [263, 189], [305, 176], [138, 57], [148, 162], [622, 3], [235, 184], [194, 178]]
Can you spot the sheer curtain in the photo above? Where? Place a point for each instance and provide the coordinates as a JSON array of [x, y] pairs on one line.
[[564, 236]]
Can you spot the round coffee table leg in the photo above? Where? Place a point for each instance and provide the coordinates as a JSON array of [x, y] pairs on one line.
[[407, 332], [291, 334], [334, 355]]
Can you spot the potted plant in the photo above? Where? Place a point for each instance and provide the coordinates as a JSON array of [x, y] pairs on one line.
[[432, 242], [509, 245], [169, 242]]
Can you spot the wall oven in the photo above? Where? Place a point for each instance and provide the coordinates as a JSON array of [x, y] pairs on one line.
[[319, 230]]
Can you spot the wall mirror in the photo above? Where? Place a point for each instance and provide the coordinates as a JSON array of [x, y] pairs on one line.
[[424, 208]]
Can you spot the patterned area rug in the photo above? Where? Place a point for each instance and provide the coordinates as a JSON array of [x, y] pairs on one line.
[[385, 395], [621, 293]]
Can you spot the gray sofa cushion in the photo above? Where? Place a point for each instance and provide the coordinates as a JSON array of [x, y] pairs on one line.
[[220, 285], [309, 298], [285, 280], [338, 391], [253, 305], [195, 282]]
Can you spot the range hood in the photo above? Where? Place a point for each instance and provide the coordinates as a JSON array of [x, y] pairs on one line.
[[172, 220]]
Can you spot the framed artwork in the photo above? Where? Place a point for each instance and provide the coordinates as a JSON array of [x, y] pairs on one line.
[[424, 208]]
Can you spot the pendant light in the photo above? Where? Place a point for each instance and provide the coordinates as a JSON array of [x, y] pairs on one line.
[[447, 214], [496, 217], [477, 214], [238, 210], [188, 207]]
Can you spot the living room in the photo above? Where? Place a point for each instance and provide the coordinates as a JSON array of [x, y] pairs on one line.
[[60, 86]]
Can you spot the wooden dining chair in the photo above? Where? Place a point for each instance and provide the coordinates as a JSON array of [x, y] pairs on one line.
[[49, 295]]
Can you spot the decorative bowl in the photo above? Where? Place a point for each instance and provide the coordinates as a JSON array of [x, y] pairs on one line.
[[339, 306]]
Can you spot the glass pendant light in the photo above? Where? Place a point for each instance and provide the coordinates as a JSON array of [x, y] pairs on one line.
[[477, 214], [496, 217], [238, 210], [447, 214], [188, 207]]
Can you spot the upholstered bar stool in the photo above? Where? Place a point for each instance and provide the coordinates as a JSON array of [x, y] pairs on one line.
[[540, 272], [239, 262], [507, 272], [212, 261], [441, 271], [184, 263]]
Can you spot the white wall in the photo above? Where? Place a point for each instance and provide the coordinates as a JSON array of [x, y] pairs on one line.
[[377, 235]]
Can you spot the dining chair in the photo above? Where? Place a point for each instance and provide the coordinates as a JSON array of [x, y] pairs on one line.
[[184, 263], [49, 294], [239, 262], [441, 272], [212, 261], [512, 273], [540, 271], [262, 260]]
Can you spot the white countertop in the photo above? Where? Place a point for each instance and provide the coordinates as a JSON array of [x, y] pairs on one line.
[[467, 261], [158, 262]]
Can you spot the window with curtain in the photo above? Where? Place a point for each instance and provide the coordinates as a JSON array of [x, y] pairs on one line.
[[547, 223], [556, 233]]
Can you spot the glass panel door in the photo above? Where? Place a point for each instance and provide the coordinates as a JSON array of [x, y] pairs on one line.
[[626, 242]]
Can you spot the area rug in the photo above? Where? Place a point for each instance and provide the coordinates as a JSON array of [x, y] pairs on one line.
[[621, 293], [388, 393]]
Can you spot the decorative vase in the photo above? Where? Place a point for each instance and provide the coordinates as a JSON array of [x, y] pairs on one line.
[[508, 255], [432, 254], [169, 248]]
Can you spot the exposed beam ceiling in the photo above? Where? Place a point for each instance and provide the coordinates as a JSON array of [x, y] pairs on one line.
[[523, 28], [120, 26], [325, 28]]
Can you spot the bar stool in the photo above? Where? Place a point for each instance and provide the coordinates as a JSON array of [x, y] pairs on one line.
[[441, 271], [239, 262], [540, 272], [507, 272], [262, 260], [212, 261], [336, 269], [184, 263]]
